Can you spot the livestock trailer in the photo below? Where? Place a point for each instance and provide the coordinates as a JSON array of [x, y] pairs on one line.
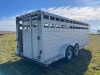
[[45, 37]]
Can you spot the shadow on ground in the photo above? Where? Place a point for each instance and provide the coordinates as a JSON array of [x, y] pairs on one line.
[[77, 66]]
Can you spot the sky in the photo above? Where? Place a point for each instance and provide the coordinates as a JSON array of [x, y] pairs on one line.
[[82, 10]]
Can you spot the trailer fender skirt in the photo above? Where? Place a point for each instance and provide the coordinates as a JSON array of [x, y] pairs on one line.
[[64, 47]]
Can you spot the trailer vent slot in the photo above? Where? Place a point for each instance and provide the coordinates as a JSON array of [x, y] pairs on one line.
[[52, 26], [20, 22], [57, 19], [67, 21], [28, 27], [62, 20], [20, 28], [46, 17], [46, 25], [52, 18], [35, 25], [63, 26], [24, 27], [34, 15], [57, 26], [34, 18], [67, 27]]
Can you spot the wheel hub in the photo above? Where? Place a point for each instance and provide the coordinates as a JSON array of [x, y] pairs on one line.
[[69, 54]]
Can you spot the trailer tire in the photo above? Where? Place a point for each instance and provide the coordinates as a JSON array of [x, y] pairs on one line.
[[76, 50], [69, 53]]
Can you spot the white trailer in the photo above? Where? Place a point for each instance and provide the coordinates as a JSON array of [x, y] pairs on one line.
[[45, 37]]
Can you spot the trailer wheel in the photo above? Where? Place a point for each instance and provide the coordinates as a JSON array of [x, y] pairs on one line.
[[69, 53], [76, 50]]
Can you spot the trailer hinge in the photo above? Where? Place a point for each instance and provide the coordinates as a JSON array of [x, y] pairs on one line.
[[38, 37]]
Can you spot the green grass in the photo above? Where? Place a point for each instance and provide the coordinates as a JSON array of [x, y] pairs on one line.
[[88, 62]]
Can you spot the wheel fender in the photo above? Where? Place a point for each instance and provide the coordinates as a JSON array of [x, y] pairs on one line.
[[65, 46]]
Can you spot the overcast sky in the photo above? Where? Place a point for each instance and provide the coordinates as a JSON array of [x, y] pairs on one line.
[[83, 10]]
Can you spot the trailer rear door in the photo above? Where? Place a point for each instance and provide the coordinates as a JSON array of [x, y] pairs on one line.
[[35, 41], [27, 48], [30, 38]]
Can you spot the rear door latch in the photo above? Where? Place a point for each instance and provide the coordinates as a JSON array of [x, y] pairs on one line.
[[38, 37]]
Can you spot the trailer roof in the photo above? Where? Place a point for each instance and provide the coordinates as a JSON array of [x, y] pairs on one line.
[[40, 11]]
